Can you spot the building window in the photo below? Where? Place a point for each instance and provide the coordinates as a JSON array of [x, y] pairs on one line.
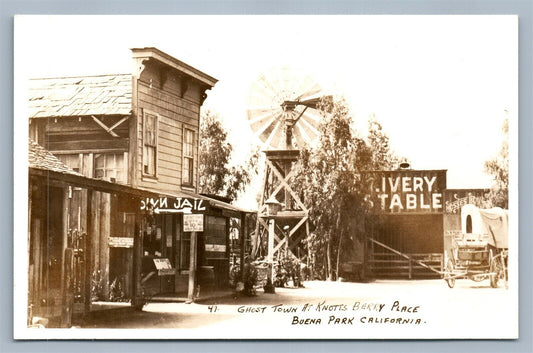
[[150, 144], [71, 160], [188, 156], [109, 166]]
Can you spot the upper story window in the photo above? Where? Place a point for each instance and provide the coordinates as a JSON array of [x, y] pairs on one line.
[[150, 144], [109, 166], [188, 156]]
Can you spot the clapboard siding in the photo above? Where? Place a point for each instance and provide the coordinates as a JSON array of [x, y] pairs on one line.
[[152, 76], [164, 98], [186, 117]]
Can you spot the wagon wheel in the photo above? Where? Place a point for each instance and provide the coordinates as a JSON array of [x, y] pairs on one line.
[[497, 271], [448, 276]]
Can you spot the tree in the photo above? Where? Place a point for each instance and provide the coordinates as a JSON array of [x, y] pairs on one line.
[[217, 176], [498, 167], [329, 178]]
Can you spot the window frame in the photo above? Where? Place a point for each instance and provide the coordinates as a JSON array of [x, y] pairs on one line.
[[144, 144], [187, 159], [105, 168]]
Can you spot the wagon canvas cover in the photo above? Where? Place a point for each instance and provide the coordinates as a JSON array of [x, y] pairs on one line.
[[491, 223]]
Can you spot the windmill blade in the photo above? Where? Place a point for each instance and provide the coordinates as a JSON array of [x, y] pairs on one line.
[[310, 119], [304, 86], [280, 100], [264, 128], [276, 139], [254, 115], [316, 89], [309, 126], [261, 124], [299, 136]]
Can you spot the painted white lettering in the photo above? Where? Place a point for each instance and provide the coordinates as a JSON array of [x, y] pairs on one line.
[[394, 187], [422, 205], [417, 184], [406, 184], [383, 197], [163, 202], [437, 201], [178, 204], [186, 203], [430, 182], [200, 207], [395, 201], [411, 201]]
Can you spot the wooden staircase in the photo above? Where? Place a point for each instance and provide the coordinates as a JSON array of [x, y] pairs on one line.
[[386, 262]]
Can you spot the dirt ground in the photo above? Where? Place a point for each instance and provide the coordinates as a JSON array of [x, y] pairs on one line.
[[380, 309]]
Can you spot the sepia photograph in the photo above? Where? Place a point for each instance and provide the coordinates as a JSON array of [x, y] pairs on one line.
[[266, 177]]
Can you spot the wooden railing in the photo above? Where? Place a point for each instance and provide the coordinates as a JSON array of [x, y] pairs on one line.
[[392, 263]]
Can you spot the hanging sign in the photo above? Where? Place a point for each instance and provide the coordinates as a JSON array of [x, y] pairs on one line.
[[173, 205], [120, 242], [409, 191], [193, 223]]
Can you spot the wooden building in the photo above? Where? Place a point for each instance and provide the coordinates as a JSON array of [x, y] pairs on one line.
[[411, 229], [418, 217], [139, 133]]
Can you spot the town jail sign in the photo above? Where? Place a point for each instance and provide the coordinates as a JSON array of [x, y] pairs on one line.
[[408, 191], [173, 205]]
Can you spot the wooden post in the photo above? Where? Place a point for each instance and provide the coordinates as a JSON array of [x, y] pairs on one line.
[[88, 252], [242, 240], [136, 290], [410, 269], [64, 231], [105, 229], [192, 268]]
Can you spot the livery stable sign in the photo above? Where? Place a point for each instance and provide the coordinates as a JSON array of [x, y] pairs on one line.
[[408, 191]]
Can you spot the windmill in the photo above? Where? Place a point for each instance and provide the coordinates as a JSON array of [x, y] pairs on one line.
[[282, 113]]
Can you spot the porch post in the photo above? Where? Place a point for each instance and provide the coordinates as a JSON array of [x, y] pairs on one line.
[[242, 240], [192, 268], [88, 252], [136, 290]]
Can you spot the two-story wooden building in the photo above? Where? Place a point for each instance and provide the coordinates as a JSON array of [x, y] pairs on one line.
[[139, 130]]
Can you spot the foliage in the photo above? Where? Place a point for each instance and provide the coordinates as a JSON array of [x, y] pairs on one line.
[[249, 279], [498, 167], [98, 291], [287, 268], [217, 176], [329, 179]]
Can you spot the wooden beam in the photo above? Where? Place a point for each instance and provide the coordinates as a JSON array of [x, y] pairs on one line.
[[118, 123], [89, 145], [284, 182], [104, 126]]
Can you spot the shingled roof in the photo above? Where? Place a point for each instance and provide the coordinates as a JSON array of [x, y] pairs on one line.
[[80, 96], [40, 158]]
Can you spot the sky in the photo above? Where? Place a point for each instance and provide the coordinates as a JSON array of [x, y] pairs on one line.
[[441, 86]]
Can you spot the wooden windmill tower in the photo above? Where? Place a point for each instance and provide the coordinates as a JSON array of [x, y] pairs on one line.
[[282, 113]]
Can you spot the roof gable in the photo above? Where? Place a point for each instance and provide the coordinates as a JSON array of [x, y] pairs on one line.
[[80, 96]]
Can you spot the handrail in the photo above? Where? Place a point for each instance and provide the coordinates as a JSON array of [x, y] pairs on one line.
[[404, 255]]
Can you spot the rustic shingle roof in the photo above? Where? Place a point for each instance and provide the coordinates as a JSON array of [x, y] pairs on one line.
[[80, 96], [40, 158]]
